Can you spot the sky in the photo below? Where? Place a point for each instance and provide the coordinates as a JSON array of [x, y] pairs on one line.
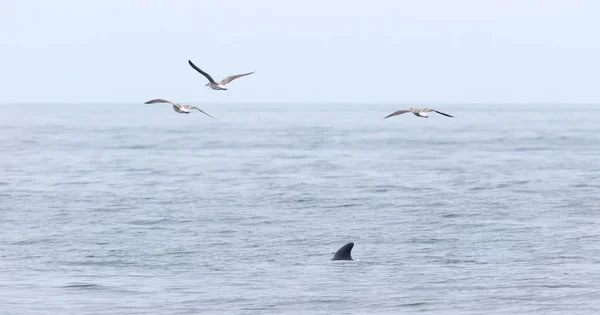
[[309, 51]]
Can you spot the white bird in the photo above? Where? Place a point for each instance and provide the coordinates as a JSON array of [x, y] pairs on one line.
[[180, 108], [217, 85], [419, 112]]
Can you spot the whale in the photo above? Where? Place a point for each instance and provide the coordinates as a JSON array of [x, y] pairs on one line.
[[344, 253]]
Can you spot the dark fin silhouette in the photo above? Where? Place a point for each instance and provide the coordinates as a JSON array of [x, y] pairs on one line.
[[344, 253]]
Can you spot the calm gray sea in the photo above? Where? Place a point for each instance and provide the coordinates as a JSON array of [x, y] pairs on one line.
[[135, 209]]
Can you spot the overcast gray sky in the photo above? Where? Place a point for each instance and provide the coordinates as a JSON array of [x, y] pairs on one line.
[[439, 51]]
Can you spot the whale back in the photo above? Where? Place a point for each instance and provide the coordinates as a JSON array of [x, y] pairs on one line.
[[344, 253]]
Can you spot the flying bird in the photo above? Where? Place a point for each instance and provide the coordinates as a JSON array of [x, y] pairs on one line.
[[419, 112], [180, 108], [217, 85]]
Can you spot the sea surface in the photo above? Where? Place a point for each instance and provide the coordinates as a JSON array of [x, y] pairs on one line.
[[135, 209]]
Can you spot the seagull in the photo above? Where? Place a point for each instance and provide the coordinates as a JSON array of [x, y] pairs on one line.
[[217, 85], [419, 112], [180, 108]]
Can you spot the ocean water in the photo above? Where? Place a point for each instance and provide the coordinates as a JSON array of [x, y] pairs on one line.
[[135, 209]]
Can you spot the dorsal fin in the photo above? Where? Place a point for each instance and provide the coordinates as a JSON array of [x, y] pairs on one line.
[[344, 253]]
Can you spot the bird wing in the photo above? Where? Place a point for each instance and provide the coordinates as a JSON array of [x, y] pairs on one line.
[[158, 100], [433, 110], [194, 107], [443, 113], [396, 113], [202, 72], [233, 77], [177, 108]]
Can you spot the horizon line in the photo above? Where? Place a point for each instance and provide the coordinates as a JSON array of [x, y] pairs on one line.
[[399, 103]]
